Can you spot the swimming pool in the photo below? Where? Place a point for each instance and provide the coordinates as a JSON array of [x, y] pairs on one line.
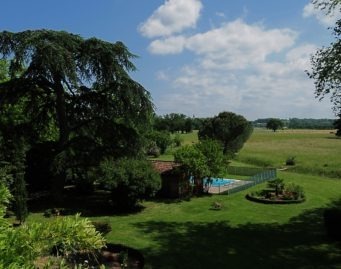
[[217, 182]]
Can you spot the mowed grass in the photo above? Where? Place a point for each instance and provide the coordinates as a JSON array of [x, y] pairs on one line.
[[316, 151], [243, 234]]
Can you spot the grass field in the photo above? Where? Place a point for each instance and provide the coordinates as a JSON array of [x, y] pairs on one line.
[[244, 234], [316, 152]]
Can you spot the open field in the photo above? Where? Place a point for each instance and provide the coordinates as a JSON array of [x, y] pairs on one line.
[[316, 152], [243, 234]]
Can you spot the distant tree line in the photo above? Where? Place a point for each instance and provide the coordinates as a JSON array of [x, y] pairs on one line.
[[177, 123], [296, 123]]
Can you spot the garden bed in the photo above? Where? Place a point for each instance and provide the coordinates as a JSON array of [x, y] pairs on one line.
[[277, 200], [278, 193]]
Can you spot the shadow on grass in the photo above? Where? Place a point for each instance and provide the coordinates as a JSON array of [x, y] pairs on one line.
[[178, 200], [301, 243], [90, 205]]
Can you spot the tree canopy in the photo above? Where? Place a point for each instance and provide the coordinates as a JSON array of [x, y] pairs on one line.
[[173, 122], [202, 160], [326, 62], [337, 125], [230, 129], [74, 96], [274, 124], [130, 181]]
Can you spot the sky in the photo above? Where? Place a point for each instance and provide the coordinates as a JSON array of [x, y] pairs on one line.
[[202, 57]]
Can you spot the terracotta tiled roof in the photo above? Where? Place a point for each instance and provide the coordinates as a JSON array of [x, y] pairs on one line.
[[164, 166]]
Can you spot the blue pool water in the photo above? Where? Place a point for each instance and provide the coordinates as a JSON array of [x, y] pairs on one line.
[[216, 182]]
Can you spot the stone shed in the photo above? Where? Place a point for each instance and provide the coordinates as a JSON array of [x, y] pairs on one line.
[[174, 184]]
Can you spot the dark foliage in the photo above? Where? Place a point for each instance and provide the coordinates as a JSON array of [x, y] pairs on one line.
[[230, 129], [290, 160], [337, 125], [274, 124], [75, 98], [130, 181], [173, 122], [161, 139], [326, 63]]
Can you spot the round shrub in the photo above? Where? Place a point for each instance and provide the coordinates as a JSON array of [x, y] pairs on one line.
[[130, 181], [290, 161]]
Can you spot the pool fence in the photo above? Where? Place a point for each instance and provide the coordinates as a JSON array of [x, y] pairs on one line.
[[255, 177]]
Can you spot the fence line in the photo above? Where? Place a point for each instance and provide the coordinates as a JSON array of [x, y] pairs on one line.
[[257, 176]]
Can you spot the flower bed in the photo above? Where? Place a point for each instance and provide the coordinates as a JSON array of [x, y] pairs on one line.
[[264, 200], [278, 193]]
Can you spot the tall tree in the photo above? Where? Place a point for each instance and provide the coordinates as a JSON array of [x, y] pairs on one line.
[[230, 129], [274, 124], [200, 161], [337, 125], [76, 94], [3, 70], [326, 63]]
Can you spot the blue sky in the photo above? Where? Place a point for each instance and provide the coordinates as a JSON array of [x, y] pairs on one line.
[[201, 57]]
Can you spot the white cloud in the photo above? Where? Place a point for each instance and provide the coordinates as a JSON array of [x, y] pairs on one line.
[[171, 45], [236, 45], [256, 72], [323, 18], [249, 69], [172, 17]]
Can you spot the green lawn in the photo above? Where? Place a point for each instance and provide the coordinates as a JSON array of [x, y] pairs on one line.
[[243, 234]]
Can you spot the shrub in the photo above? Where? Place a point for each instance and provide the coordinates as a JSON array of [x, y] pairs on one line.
[[177, 140], [153, 150], [69, 235], [20, 247], [160, 140], [294, 191], [276, 184], [130, 181], [216, 205], [290, 160]]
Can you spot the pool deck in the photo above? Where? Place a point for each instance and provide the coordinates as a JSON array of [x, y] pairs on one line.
[[236, 183]]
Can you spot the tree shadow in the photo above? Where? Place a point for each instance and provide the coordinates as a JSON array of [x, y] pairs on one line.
[[88, 205], [301, 243], [162, 200]]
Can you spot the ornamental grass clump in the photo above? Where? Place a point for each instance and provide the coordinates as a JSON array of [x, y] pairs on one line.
[[66, 237]]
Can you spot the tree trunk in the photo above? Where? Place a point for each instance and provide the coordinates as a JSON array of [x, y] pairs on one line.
[[199, 186], [61, 112], [225, 148], [58, 181]]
